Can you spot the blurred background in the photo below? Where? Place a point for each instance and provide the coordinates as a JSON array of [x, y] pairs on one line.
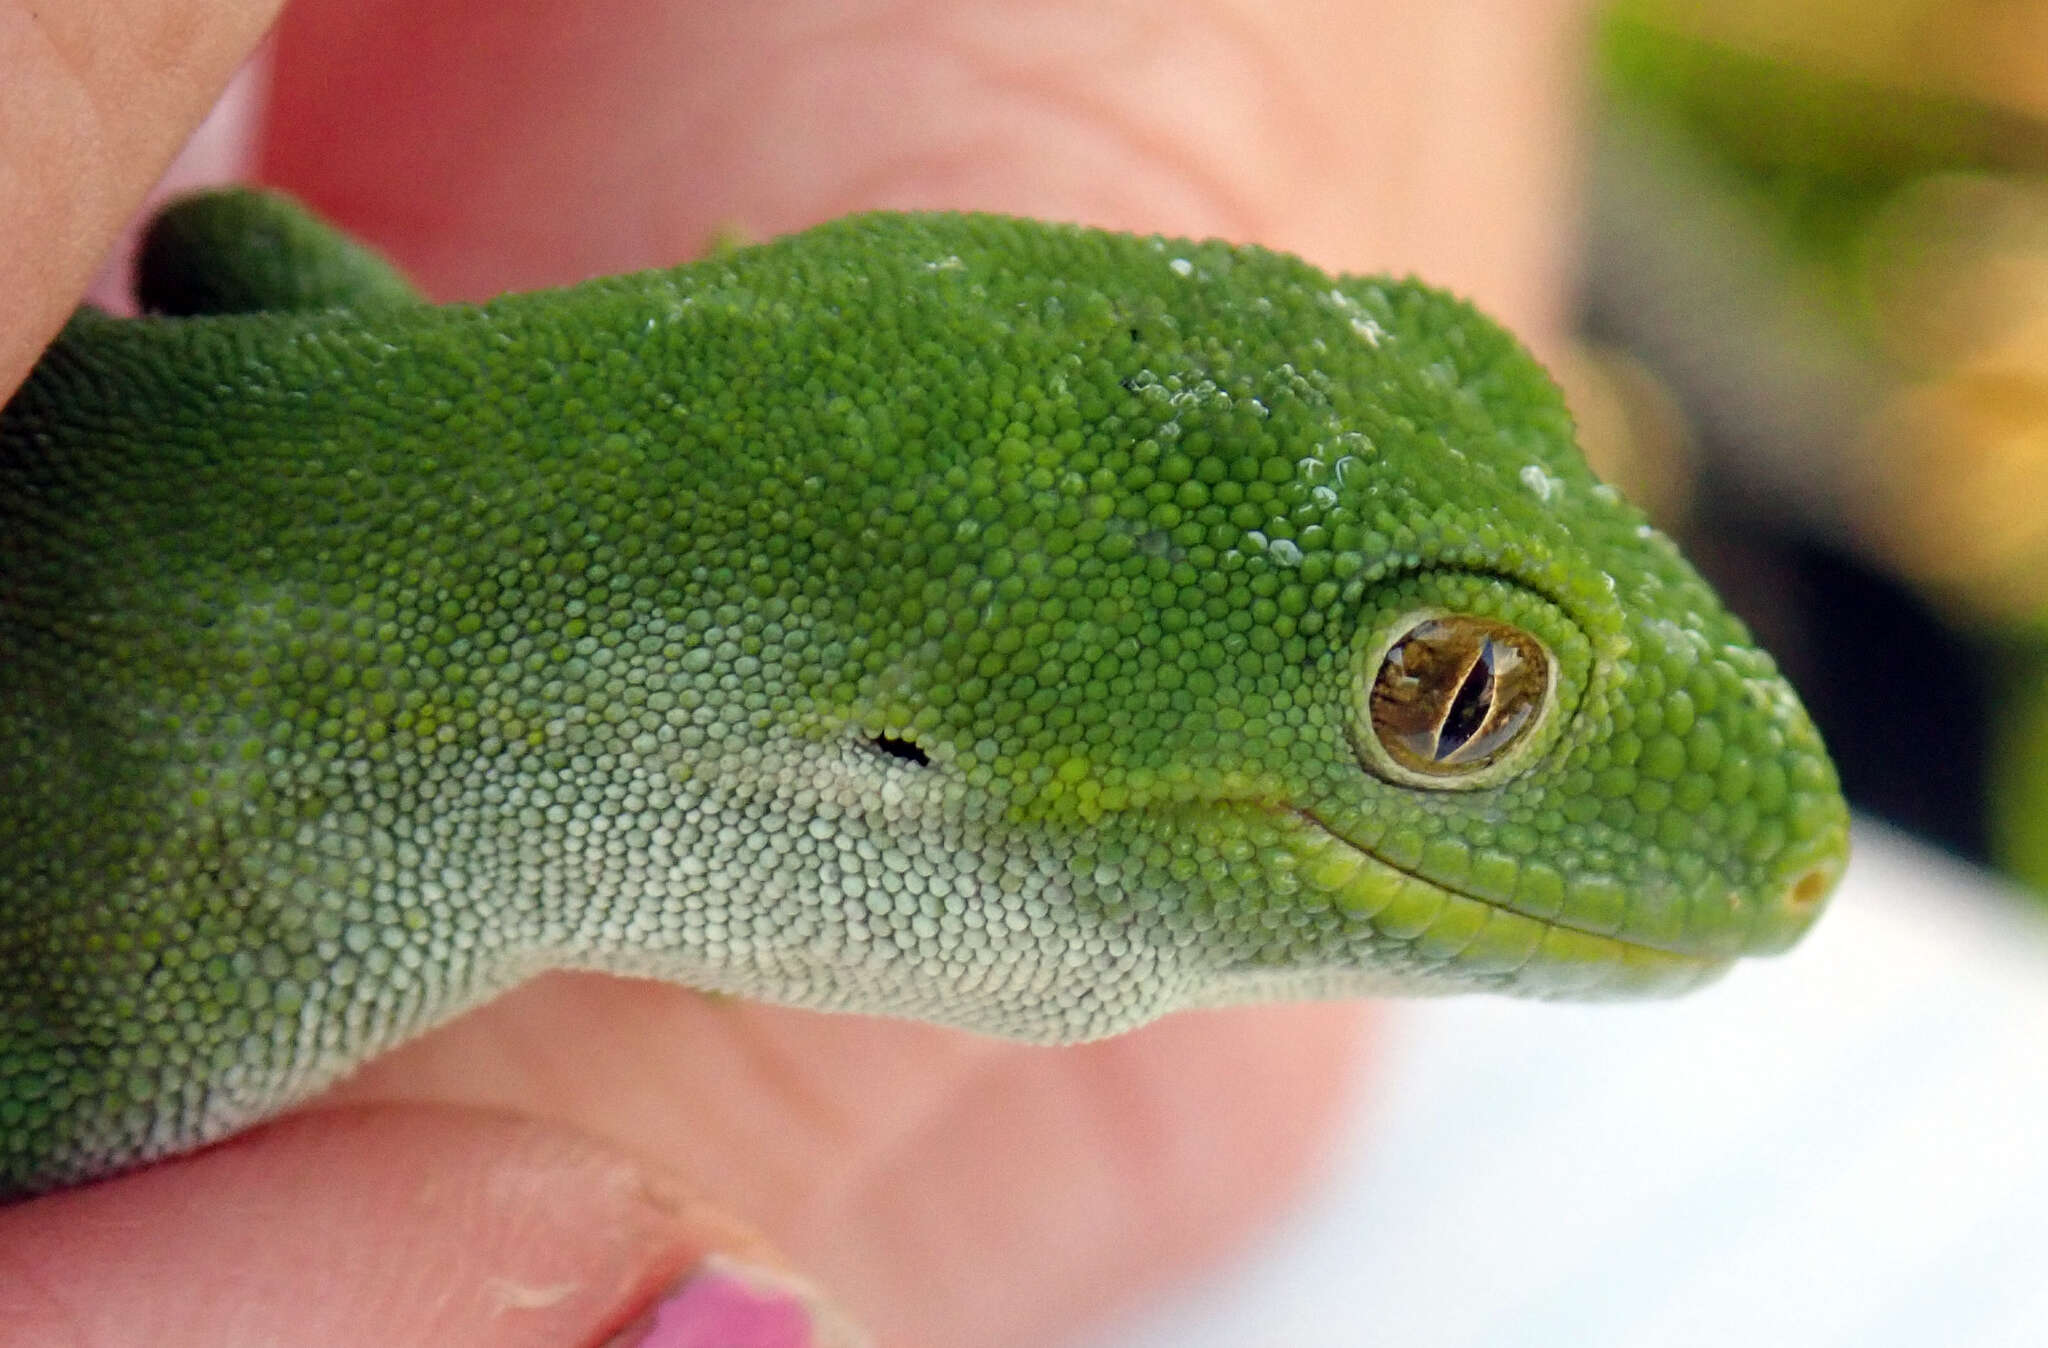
[[1815, 346]]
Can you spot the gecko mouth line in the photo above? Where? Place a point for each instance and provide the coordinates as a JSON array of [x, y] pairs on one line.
[[1373, 858]]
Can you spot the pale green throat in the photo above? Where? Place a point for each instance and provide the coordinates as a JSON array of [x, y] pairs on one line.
[[1011, 625]]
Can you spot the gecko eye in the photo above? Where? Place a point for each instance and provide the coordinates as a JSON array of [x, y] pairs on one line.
[[1455, 694]]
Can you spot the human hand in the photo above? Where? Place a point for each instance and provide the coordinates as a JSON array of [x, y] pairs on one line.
[[516, 1176]]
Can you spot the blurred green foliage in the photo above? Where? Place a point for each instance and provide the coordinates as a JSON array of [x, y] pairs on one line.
[[1883, 167]]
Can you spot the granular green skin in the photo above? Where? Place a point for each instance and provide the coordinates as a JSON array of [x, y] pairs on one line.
[[954, 617]]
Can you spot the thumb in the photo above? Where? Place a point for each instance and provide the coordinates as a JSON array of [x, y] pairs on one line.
[[397, 1225]]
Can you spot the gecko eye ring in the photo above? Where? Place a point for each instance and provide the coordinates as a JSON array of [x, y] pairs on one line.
[[1454, 697]]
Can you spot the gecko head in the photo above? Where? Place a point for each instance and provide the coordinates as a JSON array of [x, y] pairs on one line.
[[1282, 615], [1475, 722]]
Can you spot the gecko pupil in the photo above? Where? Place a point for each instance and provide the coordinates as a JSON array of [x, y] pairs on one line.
[[1469, 707]]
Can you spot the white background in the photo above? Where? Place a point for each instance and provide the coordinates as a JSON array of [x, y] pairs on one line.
[[1847, 1145]]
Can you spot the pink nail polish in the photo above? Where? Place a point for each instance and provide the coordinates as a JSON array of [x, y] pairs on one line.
[[723, 1304]]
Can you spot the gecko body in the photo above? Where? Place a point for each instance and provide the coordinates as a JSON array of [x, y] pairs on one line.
[[1017, 626]]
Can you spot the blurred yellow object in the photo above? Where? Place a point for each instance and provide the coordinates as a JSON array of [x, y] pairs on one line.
[[1631, 429], [1958, 477], [1956, 270], [1955, 265]]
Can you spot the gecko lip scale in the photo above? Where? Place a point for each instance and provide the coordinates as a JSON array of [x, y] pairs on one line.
[[1405, 904]]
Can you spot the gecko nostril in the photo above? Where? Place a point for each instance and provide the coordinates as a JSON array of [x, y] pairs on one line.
[[1811, 887]]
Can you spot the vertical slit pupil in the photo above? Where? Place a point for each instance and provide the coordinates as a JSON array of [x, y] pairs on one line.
[[1470, 706]]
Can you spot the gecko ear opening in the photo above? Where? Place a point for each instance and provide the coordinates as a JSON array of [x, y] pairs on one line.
[[899, 748], [1453, 698]]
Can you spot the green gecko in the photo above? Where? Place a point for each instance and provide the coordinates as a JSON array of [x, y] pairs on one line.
[[1012, 625]]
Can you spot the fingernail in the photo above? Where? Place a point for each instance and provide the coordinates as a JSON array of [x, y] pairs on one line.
[[727, 1304]]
